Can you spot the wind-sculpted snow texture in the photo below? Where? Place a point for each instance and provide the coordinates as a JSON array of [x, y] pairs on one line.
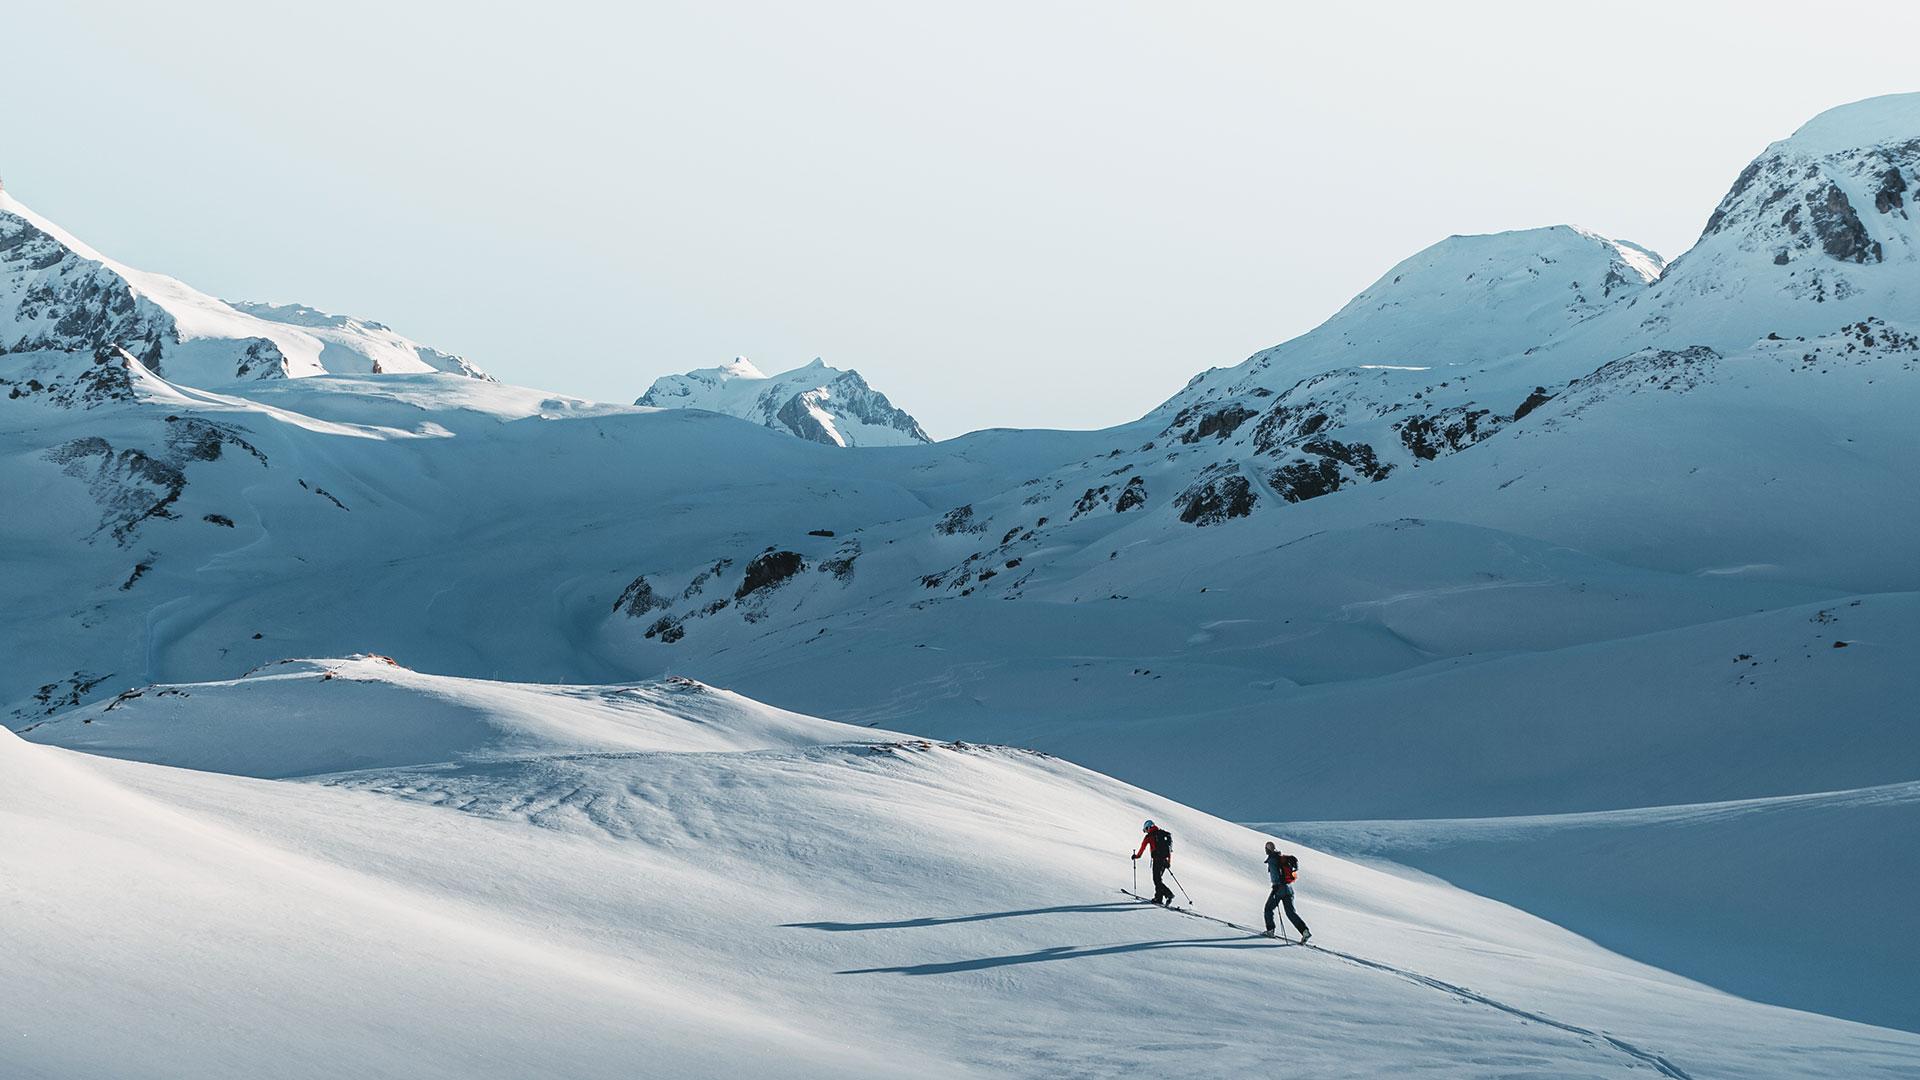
[[1536, 525], [815, 402], [455, 877]]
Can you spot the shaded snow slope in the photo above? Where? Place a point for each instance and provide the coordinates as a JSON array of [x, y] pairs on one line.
[[839, 909], [815, 402], [57, 293], [1824, 880]]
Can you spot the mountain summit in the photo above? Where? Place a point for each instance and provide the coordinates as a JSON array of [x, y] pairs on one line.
[[815, 402], [58, 294]]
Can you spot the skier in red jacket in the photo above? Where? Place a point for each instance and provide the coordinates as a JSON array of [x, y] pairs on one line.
[[1161, 841]]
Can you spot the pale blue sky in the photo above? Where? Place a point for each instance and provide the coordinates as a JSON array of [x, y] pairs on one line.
[[1003, 214]]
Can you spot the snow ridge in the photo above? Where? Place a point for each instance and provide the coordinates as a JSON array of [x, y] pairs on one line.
[[815, 402], [57, 293]]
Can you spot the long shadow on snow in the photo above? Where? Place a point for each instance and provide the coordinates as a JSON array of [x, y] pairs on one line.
[[909, 924], [1063, 952]]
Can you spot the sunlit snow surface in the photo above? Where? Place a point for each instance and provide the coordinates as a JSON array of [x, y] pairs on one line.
[[668, 880]]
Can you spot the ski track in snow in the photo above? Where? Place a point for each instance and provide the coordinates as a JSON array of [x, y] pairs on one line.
[[1666, 1068]]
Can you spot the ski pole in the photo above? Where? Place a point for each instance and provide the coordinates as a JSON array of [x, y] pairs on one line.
[[1183, 888], [1136, 877]]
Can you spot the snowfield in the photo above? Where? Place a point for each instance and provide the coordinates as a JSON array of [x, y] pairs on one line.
[[808, 900]]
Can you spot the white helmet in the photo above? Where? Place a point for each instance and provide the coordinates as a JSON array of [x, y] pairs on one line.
[[1148, 827]]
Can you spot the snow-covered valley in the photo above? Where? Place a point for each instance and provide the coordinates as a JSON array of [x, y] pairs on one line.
[[1569, 576]]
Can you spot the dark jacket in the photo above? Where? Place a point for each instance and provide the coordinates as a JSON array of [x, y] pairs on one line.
[[1274, 870]]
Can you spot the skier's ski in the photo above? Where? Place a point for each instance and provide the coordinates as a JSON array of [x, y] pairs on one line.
[[1192, 914]]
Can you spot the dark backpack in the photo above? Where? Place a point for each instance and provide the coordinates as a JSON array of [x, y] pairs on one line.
[[1162, 845], [1289, 868]]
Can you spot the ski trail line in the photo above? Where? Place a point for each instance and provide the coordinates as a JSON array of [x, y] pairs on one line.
[[1648, 1057]]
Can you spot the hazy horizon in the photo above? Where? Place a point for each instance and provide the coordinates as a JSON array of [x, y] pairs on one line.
[[1016, 216]]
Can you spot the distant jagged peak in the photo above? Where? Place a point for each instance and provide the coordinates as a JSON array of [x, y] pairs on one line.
[[813, 401], [742, 368]]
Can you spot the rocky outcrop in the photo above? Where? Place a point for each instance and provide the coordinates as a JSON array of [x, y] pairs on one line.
[[768, 570], [1216, 497], [53, 299], [1448, 431], [134, 485], [959, 520], [638, 598]]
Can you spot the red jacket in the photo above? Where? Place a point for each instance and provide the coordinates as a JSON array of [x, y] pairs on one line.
[[1147, 840]]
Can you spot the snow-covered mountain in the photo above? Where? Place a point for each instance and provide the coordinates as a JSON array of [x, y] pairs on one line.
[[815, 402], [58, 294], [1537, 526]]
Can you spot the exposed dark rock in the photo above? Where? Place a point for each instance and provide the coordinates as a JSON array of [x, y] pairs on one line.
[[139, 571], [1216, 498], [819, 532], [1307, 478], [768, 570], [638, 598], [1220, 423], [74, 304], [668, 629], [218, 519], [131, 487], [1357, 456], [263, 359], [1134, 494], [700, 580], [1740, 185], [959, 520], [65, 693], [1842, 235], [841, 565], [1890, 197], [1093, 497], [1446, 432], [1534, 400]]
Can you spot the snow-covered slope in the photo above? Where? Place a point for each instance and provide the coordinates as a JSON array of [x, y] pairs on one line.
[[357, 345], [815, 402], [795, 904], [1827, 882], [1464, 300], [56, 293]]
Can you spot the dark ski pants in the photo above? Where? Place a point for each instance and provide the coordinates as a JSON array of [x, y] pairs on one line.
[[1160, 887], [1282, 896]]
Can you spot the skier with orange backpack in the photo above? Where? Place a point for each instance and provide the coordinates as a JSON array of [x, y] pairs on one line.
[[1283, 869]]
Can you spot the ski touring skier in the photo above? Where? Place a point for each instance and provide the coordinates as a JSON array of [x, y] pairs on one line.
[[1161, 842], [1282, 869]]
